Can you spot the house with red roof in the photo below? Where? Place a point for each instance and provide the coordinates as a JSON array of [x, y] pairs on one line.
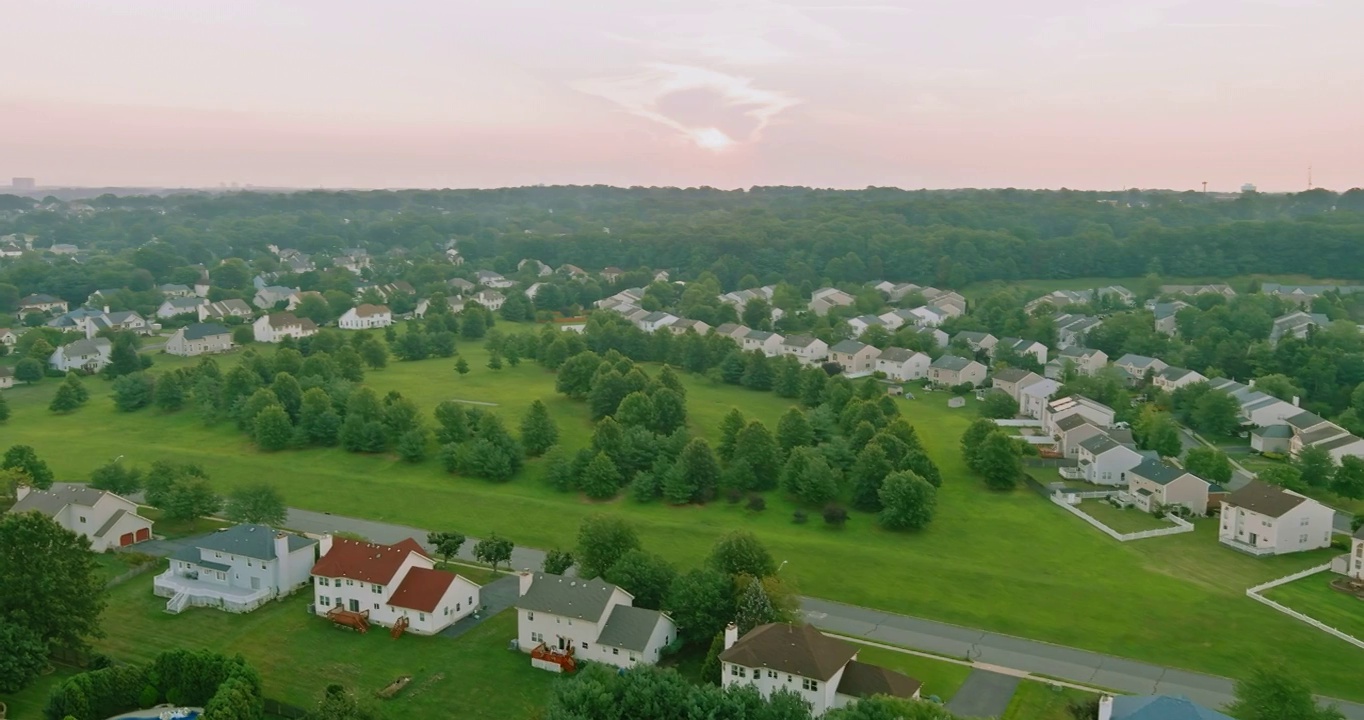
[[390, 582]]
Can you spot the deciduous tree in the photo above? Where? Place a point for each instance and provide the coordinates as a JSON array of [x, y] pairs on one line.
[[907, 502], [602, 541], [257, 503]]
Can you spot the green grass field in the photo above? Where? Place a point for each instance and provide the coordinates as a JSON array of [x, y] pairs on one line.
[[1040, 701], [1312, 596], [1006, 562], [939, 677], [1124, 520], [299, 654]]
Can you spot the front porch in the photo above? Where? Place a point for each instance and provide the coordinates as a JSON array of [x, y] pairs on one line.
[[185, 591]]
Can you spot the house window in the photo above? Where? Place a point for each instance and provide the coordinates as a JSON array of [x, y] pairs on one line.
[[378, 588], [743, 672], [808, 684], [82, 518], [1302, 539], [1303, 522], [324, 601], [376, 606], [536, 637], [248, 563], [322, 581], [771, 674], [584, 646], [616, 651], [350, 582], [632, 657], [530, 616], [457, 605], [471, 599], [421, 617]]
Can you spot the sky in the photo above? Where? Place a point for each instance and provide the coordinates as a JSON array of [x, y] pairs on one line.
[[1088, 94]]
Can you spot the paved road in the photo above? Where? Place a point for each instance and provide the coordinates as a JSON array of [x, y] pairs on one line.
[[985, 694], [1006, 651]]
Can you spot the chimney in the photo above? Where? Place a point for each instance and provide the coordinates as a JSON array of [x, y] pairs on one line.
[[524, 577], [324, 545], [22, 492], [106, 309], [731, 635], [1295, 401], [1106, 707], [283, 579]]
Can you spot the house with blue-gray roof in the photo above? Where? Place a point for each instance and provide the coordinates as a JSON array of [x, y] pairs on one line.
[[236, 569]]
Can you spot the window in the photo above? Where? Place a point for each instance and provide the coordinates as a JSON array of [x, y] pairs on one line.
[[1303, 522], [771, 674], [743, 671], [82, 518], [616, 651], [447, 610], [378, 588], [808, 684], [530, 616], [584, 646], [217, 555], [338, 602], [788, 678], [420, 616], [734, 670], [324, 601], [536, 637], [248, 563], [471, 599], [376, 606], [350, 582], [632, 657], [1302, 539], [323, 581]]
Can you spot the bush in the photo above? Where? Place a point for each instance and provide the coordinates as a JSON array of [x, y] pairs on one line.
[[835, 515], [149, 696], [756, 503], [733, 496], [1273, 456], [799, 517]]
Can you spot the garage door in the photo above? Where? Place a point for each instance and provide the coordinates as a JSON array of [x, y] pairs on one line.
[[143, 535], [125, 539]]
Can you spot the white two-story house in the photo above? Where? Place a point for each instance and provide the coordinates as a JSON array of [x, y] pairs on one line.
[[1264, 519], [1153, 483], [1355, 560], [365, 317], [901, 364], [276, 326], [105, 519], [237, 569], [807, 349], [390, 582], [767, 343], [821, 669], [1105, 461], [90, 355], [199, 339], [591, 619]]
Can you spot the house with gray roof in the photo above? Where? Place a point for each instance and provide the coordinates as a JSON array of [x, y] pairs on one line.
[[975, 341], [1257, 408], [767, 343], [903, 365], [1296, 324], [808, 349], [173, 306], [822, 670], [199, 339], [1022, 348], [107, 520], [236, 569], [1271, 438], [90, 355], [1137, 367], [1165, 314], [1305, 294], [1071, 329], [1083, 360], [854, 357], [951, 370], [224, 309], [1103, 460], [589, 619], [1153, 484], [1264, 519], [1173, 378]]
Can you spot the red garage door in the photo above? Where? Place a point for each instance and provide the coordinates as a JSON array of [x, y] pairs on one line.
[[143, 535], [125, 539]]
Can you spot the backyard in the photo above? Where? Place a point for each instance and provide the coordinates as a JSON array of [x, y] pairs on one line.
[[999, 561], [1040, 701], [1313, 596], [1122, 520]]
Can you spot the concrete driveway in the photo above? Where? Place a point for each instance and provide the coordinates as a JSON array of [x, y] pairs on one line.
[[985, 694]]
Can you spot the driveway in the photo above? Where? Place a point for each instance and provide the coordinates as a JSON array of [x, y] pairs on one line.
[[985, 694], [495, 597]]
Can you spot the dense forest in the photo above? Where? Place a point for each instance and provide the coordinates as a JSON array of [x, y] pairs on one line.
[[804, 236]]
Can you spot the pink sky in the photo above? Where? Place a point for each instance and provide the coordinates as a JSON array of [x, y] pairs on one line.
[[729, 93]]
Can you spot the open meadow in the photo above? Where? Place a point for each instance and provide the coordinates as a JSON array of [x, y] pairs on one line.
[[1007, 562]]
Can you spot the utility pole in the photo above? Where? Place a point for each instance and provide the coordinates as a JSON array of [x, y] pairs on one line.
[[1205, 187], [1309, 177]]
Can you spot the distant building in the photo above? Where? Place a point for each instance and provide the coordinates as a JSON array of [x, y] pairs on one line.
[[24, 184]]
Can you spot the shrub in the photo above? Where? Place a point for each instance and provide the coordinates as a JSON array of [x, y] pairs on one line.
[[835, 515], [1273, 456], [756, 503], [799, 517], [149, 696]]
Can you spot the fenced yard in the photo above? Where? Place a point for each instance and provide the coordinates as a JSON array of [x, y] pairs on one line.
[[1313, 597], [1125, 520]]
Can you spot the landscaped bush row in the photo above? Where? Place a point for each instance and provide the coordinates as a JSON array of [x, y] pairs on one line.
[[227, 688]]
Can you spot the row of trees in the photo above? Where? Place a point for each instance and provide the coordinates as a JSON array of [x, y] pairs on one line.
[[226, 687]]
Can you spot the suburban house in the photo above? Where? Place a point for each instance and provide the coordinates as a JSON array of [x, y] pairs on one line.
[[224, 309], [1305, 294], [1173, 378], [1022, 348], [740, 298], [89, 355], [1034, 396], [1311, 430], [767, 343], [950, 370], [540, 269], [488, 278], [903, 365], [91, 322], [41, 303], [105, 519], [297, 299], [809, 350], [1072, 430], [199, 339], [820, 669], [1264, 519], [1296, 324], [860, 323], [1012, 380], [1165, 314], [270, 296], [277, 326], [365, 317], [387, 291], [683, 325], [976, 341], [1152, 484], [237, 569], [171, 290], [590, 619], [825, 299], [8, 337], [938, 337], [657, 320], [461, 285], [611, 274], [951, 304], [1222, 289], [929, 315], [6, 377], [854, 357], [1059, 299], [1071, 329], [1154, 707], [1105, 461], [173, 306], [1084, 361], [733, 331], [1257, 408], [490, 299], [1137, 367], [1271, 439], [1355, 566], [388, 583], [1060, 408], [896, 292], [352, 259]]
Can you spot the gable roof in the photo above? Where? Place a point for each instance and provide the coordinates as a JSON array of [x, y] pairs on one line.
[[253, 541], [862, 680], [1304, 420], [1077, 351], [951, 362], [366, 561], [798, 341], [629, 627], [199, 331], [1011, 375], [569, 597], [89, 346], [109, 524], [1161, 707], [849, 347], [1070, 422], [285, 319], [1099, 444], [50, 502], [1158, 472], [1266, 499], [799, 650], [368, 310], [896, 355], [421, 589], [1273, 431]]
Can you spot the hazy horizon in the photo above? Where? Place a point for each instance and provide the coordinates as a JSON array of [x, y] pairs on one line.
[[728, 93]]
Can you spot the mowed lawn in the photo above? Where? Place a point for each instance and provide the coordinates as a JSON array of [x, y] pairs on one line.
[[1039, 701], [1313, 596], [939, 677], [1010, 562], [1122, 520]]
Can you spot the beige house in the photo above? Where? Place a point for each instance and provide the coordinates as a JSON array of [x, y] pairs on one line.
[[224, 309], [1153, 484], [1071, 431], [733, 331], [854, 357], [976, 341], [1264, 519], [950, 370], [1013, 380], [107, 520], [365, 317], [1085, 361], [1173, 378], [825, 299], [199, 339], [683, 325], [809, 350]]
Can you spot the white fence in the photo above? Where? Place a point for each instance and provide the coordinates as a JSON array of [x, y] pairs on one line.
[[1254, 594], [1180, 524], [1019, 423]]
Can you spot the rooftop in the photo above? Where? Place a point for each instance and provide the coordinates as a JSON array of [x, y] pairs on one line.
[[253, 541], [629, 627], [568, 597], [1266, 499], [366, 561], [421, 589], [798, 650]]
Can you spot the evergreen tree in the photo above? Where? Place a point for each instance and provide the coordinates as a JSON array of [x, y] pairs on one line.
[[918, 462], [669, 379], [794, 430], [559, 471], [133, 391], [808, 476], [452, 422], [999, 460], [754, 608], [289, 393], [636, 410], [756, 446], [4, 409], [867, 475], [66, 400], [698, 475], [272, 429], [609, 437], [412, 444], [24, 459], [670, 411], [170, 392], [730, 427], [123, 357], [758, 373], [538, 431], [787, 382], [318, 420], [600, 479], [462, 366], [733, 367], [474, 325]]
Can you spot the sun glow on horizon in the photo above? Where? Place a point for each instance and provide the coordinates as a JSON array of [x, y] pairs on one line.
[[711, 139]]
